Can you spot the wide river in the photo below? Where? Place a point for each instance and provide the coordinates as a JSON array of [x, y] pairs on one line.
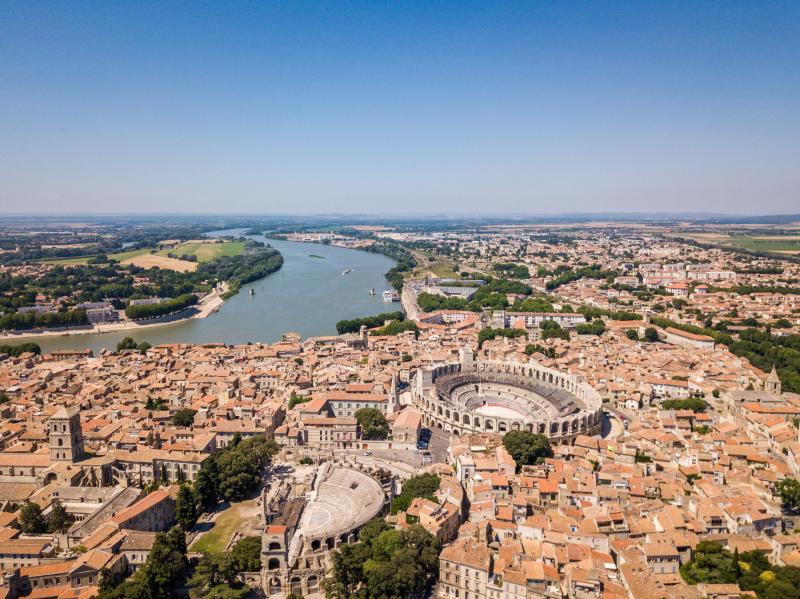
[[308, 295]]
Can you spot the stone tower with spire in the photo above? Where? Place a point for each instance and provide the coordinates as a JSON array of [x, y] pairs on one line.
[[773, 383]]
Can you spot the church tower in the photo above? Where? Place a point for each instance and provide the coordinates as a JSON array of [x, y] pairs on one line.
[[66, 438], [773, 384]]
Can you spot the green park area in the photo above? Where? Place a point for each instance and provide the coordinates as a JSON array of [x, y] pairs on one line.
[[239, 516]]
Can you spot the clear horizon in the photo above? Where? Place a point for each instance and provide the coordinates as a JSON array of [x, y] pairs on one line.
[[433, 109]]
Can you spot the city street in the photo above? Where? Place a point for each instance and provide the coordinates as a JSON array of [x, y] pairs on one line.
[[439, 445]]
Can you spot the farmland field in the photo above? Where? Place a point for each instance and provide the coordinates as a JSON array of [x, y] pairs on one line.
[[779, 244], [764, 244], [442, 269], [152, 260], [82, 260], [205, 252], [146, 258]]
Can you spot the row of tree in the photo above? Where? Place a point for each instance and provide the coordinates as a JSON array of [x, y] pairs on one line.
[[17, 321], [353, 325], [695, 404], [493, 295], [162, 308], [490, 333], [396, 327], [17, 350], [515, 271]]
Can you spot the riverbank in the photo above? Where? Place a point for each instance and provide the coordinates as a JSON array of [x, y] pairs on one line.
[[409, 303], [306, 295], [207, 305]]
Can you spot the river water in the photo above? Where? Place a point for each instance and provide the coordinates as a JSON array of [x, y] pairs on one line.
[[308, 295]]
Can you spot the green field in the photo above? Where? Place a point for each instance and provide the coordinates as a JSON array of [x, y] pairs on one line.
[[127, 255], [237, 516], [442, 269], [67, 261], [85, 259], [205, 252], [763, 244]]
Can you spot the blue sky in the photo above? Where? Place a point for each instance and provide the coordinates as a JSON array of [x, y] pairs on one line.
[[390, 107]]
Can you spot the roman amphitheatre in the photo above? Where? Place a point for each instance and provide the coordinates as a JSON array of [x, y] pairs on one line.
[[491, 396], [308, 519]]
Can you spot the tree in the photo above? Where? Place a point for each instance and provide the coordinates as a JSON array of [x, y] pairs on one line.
[[651, 335], [59, 520], [695, 404], [31, 520], [184, 417], [789, 491], [185, 508], [204, 488], [297, 399], [489, 333], [552, 330], [161, 573], [235, 472], [596, 327], [155, 404], [710, 563], [246, 555], [126, 343], [396, 327], [632, 334], [218, 575], [373, 423], [422, 485], [390, 564], [167, 560], [106, 581], [348, 570], [527, 448], [129, 343]]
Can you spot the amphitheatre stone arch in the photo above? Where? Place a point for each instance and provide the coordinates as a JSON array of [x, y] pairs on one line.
[[494, 396]]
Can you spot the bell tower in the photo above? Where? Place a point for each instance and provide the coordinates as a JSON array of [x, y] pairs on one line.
[[66, 438], [773, 384]]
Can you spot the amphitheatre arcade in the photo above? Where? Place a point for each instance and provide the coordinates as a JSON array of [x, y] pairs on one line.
[[474, 396]]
